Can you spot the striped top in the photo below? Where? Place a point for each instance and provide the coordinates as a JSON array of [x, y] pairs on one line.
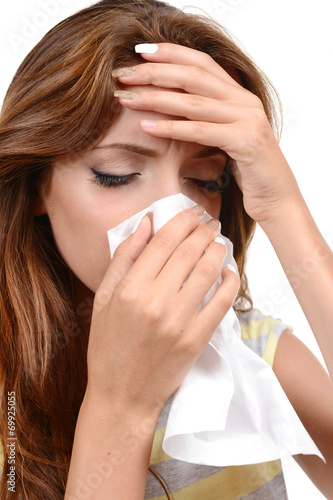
[[201, 482]]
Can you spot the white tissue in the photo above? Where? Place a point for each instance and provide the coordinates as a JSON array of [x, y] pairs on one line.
[[230, 409]]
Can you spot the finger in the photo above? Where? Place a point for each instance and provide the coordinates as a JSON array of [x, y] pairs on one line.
[[178, 54], [224, 136], [193, 107], [124, 257], [186, 256], [203, 276], [191, 79], [210, 316], [163, 244]]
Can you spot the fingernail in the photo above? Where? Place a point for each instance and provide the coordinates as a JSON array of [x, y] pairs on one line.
[[125, 94], [232, 268], [198, 209], [214, 224], [148, 124], [220, 240], [146, 48], [123, 72]]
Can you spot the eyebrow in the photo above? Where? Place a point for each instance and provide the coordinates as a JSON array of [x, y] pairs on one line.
[[133, 148], [153, 153]]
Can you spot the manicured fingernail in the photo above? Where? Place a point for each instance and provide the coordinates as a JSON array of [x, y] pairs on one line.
[[148, 124], [125, 94], [146, 48], [220, 240], [214, 224], [123, 72], [232, 268], [198, 209]]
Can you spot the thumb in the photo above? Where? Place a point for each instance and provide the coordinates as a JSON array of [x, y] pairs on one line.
[[124, 257]]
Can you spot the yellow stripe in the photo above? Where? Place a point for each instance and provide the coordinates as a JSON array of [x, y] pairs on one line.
[[157, 453], [231, 483], [257, 327], [270, 349]]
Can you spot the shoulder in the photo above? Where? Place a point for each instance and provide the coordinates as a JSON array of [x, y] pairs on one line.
[[261, 332]]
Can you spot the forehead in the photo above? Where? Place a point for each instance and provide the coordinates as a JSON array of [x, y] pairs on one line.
[[127, 129]]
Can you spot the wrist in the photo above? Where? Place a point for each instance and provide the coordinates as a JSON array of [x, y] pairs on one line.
[[106, 410], [287, 215], [113, 446]]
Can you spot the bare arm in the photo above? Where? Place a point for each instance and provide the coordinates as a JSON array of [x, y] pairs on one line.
[[310, 391], [111, 453], [308, 263]]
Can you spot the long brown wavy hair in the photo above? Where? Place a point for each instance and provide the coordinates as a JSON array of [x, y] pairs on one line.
[[60, 103]]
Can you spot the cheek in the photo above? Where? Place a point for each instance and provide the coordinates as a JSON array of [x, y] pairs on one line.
[[79, 223], [80, 217]]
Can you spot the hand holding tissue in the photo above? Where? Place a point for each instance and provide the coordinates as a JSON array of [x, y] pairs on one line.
[[230, 409]]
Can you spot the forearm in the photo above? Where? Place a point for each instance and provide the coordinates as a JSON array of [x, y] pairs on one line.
[[308, 263], [110, 455]]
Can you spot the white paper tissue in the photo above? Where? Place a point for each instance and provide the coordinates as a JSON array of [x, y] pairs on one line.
[[230, 408]]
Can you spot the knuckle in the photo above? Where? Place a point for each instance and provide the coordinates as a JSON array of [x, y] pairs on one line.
[[195, 73], [206, 59], [151, 69], [156, 98], [126, 292], [153, 311], [199, 129], [224, 304], [196, 101], [163, 240], [207, 270], [170, 126], [254, 100], [186, 252]]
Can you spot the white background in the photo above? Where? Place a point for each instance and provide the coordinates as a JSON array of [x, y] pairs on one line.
[[292, 42]]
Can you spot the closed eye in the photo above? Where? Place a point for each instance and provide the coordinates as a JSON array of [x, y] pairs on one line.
[[207, 185], [109, 180]]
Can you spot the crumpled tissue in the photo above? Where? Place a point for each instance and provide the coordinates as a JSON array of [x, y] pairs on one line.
[[230, 409]]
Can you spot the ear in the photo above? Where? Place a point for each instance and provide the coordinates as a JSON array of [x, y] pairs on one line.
[[39, 207]]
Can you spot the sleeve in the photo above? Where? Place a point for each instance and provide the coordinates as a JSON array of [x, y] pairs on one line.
[[261, 333]]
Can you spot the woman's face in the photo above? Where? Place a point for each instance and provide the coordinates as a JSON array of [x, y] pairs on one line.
[[126, 172]]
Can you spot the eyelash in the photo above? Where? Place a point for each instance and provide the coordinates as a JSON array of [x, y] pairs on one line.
[[108, 181]]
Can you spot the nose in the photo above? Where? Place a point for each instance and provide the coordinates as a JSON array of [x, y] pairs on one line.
[[166, 183]]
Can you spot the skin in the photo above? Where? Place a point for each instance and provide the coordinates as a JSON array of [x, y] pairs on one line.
[[133, 292], [79, 208]]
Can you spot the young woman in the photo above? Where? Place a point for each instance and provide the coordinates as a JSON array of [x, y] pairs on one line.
[[92, 350]]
